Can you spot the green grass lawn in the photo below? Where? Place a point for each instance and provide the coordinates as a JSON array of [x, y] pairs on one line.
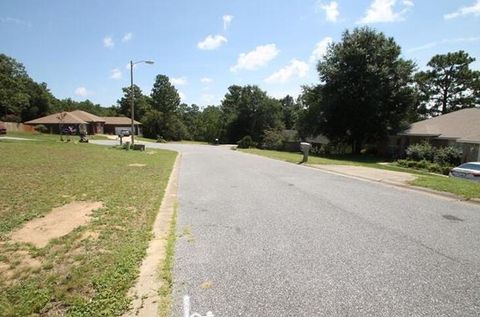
[[89, 271], [463, 188]]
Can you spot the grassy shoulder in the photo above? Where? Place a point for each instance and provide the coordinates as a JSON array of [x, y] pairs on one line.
[[89, 271], [455, 186]]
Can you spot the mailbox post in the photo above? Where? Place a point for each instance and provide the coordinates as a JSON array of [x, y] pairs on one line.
[[305, 148]]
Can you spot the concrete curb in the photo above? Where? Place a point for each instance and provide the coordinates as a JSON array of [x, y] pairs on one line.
[[144, 294], [474, 201]]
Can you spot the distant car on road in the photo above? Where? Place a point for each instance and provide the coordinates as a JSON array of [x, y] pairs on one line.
[[469, 170]]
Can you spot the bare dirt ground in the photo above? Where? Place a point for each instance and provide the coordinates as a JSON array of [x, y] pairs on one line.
[[57, 223]]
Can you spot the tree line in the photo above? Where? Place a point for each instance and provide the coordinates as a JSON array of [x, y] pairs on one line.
[[367, 91]]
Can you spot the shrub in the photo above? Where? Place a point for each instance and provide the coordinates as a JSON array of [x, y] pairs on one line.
[[421, 151], [246, 142], [448, 156], [40, 128], [272, 140], [425, 165]]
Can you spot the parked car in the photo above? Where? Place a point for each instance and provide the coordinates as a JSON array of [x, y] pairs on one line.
[[3, 128], [469, 170], [125, 133]]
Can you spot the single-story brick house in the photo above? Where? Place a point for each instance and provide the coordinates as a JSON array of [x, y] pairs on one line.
[[79, 119], [460, 129]]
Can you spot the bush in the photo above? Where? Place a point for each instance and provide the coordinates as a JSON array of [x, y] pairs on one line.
[[246, 142], [272, 140], [40, 128], [421, 151], [425, 165], [448, 156]]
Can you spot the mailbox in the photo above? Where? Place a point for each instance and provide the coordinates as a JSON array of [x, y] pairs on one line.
[[305, 148]]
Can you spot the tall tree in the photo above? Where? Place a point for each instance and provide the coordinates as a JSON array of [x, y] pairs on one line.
[[190, 116], [163, 120], [211, 124], [311, 119], [367, 88], [141, 103], [448, 85], [249, 111], [20, 97], [290, 111], [165, 97]]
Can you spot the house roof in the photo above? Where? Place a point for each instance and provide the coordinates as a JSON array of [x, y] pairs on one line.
[[462, 125], [86, 116], [56, 118], [119, 121]]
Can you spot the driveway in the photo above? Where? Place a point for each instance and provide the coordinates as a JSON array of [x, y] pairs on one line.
[[259, 237]]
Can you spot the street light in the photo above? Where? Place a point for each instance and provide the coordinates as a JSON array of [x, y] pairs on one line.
[[133, 96]]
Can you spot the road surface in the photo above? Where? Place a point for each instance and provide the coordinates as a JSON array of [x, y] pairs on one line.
[[260, 237]]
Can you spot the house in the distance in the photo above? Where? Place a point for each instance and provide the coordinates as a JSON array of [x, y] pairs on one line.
[[114, 125], [79, 119], [460, 129]]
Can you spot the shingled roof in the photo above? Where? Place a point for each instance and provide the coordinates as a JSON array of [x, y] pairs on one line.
[[119, 121], [68, 118], [462, 125], [86, 116]]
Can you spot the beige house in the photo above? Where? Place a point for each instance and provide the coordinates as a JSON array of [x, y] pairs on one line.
[[460, 129], [82, 119]]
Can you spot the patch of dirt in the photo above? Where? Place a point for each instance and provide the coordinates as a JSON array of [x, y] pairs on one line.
[[137, 165], [90, 235], [20, 264], [57, 223]]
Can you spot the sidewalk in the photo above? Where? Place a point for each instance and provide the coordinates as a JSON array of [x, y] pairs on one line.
[[373, 174]]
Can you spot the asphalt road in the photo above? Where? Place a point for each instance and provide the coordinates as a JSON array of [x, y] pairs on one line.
[[260, 237]]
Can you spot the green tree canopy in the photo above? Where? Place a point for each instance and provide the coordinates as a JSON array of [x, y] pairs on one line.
[[290, 111], [165, 97], [21, 98], [367, 88], [249, 111], [448, 85], [141, 103]]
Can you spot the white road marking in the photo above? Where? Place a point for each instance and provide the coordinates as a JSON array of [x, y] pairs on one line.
[[186, 309]]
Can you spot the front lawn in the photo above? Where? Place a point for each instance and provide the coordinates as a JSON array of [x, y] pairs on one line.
[[89, 271], [463, 188]]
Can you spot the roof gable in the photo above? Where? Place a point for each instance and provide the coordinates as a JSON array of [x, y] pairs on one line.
[[461, 124]]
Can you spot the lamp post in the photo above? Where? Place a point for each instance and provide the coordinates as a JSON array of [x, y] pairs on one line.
[[132, 97]]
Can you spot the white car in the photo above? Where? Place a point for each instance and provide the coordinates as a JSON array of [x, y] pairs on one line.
[[469, 170]]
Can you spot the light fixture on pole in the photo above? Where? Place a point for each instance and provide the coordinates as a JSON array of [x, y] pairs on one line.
[[132, 97]]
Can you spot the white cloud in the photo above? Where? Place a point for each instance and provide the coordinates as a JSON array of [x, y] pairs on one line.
[[212, 42], [183, 97], [83, 92], [227, 19], [296, 69], [257, 58], [331, 10], [206, 80], [473, 9], [179, 81], [15, 21], [381, 11], [320, 49], [116, 74], [444, 42], [108, 42], [127, 37]]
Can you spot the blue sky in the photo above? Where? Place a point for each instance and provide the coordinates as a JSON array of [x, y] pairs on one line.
[[81, 48]]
